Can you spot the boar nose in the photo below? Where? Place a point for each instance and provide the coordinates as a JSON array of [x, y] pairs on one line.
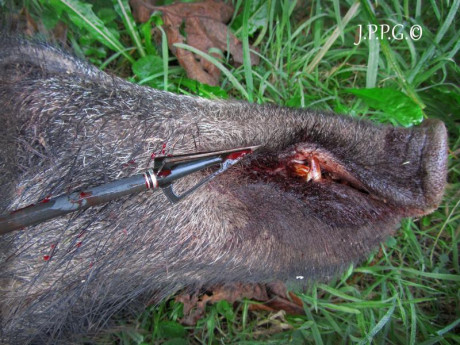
[[434, 163]]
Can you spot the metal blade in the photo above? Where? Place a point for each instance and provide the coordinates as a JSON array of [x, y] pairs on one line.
[[229, 158], [166, 162]]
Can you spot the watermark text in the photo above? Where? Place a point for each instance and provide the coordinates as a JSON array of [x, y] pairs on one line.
[[385, 31]]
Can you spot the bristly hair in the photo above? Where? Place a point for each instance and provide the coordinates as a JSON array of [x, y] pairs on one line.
[[65, 126]]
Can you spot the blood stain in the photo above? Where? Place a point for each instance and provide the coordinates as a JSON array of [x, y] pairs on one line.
[[238, 154], [84, 195], [46, 257], [164, 173], [78, 244], [46, 199]]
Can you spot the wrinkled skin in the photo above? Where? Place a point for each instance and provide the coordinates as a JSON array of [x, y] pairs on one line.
[[67, 126]]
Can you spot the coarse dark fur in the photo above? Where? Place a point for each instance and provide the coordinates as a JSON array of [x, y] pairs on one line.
[[65, 125]]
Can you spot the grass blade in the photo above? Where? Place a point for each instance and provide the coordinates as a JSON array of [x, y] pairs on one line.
[[431, 49], [165, 57], [83, 16], [314, 328], [383, 321], [124, 11], [221, 67], [372, 63], [246, 53], [317, 59], [389, 54]]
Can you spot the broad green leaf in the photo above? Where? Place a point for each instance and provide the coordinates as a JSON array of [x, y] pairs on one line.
[[391, 242], [107, 15], [398, 106], [205, 90], [171, 329], [224, 308], [147, 66]]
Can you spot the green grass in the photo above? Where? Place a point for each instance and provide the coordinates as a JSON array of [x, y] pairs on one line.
[[407, 292]]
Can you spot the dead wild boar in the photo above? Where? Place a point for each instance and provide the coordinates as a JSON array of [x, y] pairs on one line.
[[321, 192]]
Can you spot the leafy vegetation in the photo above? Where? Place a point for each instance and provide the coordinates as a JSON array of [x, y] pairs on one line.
[[407, 292]]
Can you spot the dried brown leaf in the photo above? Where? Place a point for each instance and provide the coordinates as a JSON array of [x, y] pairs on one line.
[[195, 304], [204, 27]]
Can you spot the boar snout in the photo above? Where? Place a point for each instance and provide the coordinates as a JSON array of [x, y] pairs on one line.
[[434, 164]]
